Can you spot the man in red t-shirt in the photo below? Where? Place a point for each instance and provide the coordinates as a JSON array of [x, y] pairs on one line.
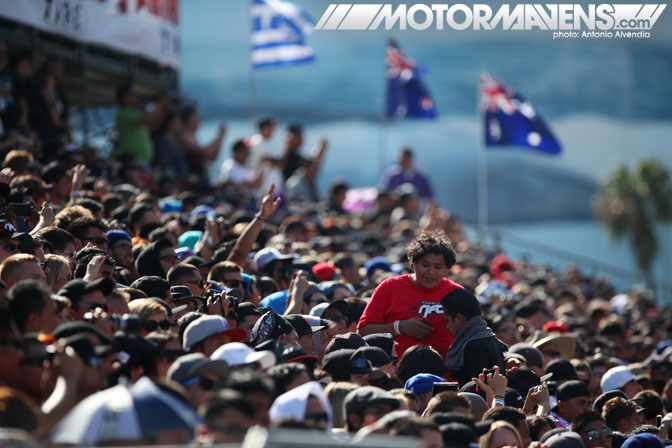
[[409, 306]]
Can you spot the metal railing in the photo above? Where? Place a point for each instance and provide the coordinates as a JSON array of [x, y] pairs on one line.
[[540, 253]]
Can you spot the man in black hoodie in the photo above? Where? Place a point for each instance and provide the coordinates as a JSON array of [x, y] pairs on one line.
[[156, 259], [475, 346]]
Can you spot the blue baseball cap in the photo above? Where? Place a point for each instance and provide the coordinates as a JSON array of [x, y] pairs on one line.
[[422, 383], [114, 236]]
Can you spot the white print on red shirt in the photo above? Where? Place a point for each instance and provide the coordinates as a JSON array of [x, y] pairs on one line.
[[427, 308]]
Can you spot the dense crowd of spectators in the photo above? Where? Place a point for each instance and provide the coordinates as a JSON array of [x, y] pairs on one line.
[[142, 302]]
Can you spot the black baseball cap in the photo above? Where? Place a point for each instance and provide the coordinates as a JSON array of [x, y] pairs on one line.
[[358, 399], [301, 325], [75, 289]]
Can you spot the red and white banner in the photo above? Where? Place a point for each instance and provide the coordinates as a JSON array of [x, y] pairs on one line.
[[146, 28]]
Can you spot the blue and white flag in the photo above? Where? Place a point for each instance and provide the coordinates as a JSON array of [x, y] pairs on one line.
[[512, 121], [279, 29]]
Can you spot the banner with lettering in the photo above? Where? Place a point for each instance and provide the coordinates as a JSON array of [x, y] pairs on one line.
[[145, 28]]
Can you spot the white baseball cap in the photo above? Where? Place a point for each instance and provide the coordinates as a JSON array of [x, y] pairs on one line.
[[615, 378], [268, 255], [237, 353]]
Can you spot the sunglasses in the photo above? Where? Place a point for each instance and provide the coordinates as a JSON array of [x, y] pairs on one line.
[[594, 434], [170, 355], [152, 325], [199, 283], [204, 382], [10, 247], [552, 353], [126, 246], [234, 283], [96, 239]]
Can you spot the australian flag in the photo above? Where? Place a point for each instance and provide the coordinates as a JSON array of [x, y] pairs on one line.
[[279, 30], [512, 121], [406, 95]]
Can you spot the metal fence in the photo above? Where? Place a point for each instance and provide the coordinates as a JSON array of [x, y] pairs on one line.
[[540, 253]]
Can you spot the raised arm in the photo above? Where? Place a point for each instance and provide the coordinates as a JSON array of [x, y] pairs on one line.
[[246, 240]]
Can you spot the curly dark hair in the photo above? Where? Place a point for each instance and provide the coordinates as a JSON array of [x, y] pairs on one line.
[[431, 242]]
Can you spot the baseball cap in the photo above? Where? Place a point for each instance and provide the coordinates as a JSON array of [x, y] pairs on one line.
[[237, 353], [79, 327], [513, 398], [208, 326], [376, 355], [8, 231], [301, 325], [572, 389], [643, 441], [246, 309], [195, 364], [384, 341], [75, 289], [268, 255], [615, 378], [86, 350], [358, 399], [181, 295], [324, 271], [566, 439], [458, 435], [523, 379], [359, 365], [377, 263], [347, 340], [114, 236], [422, 383], [602, 399], [532, 355], [444, 418], [337, 364], [270, 326], [561, 369], [285, 352]]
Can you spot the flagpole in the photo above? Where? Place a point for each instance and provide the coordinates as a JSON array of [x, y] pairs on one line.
[[251, 84], [482, 173]]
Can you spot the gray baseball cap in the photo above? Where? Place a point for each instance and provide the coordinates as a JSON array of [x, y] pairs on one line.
[[207, 326], [361, 397], [195, 364]]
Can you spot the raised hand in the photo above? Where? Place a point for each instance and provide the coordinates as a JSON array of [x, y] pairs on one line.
[[268, 205]]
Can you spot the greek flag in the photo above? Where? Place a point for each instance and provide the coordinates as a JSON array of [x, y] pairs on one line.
[[279, 29]]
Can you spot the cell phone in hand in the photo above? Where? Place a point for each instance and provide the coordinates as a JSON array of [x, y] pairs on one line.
[[451, 386]]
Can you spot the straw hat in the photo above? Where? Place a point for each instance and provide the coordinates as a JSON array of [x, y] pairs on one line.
[[564, 341]]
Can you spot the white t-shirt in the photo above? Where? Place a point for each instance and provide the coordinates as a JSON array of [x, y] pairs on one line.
[[272, 175], [232, 171]]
